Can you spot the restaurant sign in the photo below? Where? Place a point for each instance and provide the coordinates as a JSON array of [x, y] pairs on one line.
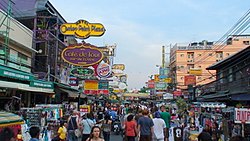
[[83, 73], [242, 115], [81, 55], [82, 29]]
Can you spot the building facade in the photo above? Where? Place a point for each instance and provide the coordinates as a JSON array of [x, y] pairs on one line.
[[188, 63]]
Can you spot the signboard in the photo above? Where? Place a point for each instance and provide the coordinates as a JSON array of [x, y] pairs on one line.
[[160, 86], [177, 93], [189, 80], [168, 80], [82, 29], [118, 66], [242, 115], [73, 81], [195, 71], [156, 78], [102, 85], [82, 72], [90, 85], [151, 84], [81, 55], [103, 70], [84, 108], [42, 84]]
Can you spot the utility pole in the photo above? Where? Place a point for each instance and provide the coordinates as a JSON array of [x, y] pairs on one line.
[[163, 57]]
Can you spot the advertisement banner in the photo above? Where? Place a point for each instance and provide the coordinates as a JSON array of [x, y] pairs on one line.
[[90, 85], [118, 66], [103, 85], [82, 55], [160, 86], [195, 71], [156, 78], [242, 115], [190, 80], [151, 84]]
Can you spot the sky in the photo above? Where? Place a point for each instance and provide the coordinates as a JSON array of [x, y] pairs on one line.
[[140, 28]]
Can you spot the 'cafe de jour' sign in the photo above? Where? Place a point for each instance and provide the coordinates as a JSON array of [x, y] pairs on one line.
[[81, 55], [82, 29]]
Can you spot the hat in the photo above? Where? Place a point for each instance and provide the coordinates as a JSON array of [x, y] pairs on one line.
[[157, 114]]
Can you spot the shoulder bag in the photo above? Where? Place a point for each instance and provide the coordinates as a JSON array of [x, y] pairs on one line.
[[76, 131]]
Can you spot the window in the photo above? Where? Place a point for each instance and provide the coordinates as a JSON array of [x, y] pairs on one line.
[[190, 55], [219, 54], [199, 66], [228, 54], [210, 54], [199, 54], [182, 55], [230, 77], [199, 78], [246, 42]]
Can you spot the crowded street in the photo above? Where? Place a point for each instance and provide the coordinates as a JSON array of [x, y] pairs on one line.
[[78, 70]]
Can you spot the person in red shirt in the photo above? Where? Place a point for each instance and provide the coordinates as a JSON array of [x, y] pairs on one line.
[[130, 128]]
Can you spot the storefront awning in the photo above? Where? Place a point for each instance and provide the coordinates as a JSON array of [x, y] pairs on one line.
[[70, 93], [15, 74], [24, 87]]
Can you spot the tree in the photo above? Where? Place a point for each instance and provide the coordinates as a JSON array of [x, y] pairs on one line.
[[182, 106]]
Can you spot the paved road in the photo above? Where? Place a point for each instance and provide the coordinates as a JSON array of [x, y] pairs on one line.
[[115, 137]]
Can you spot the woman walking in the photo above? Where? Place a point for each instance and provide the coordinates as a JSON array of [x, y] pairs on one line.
[[106, 127], [87, 124], [95, 134], [130, 128], [62, 132]]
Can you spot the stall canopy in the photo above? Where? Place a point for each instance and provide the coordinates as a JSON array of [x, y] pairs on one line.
[[7, 119], [70, 93]]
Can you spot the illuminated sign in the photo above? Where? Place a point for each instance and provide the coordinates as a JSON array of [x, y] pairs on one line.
[[82, 29], [82, 55], [189, 80], [242, 115], [82, 72]]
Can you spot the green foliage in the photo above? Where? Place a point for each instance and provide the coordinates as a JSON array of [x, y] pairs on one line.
[[182, 106]]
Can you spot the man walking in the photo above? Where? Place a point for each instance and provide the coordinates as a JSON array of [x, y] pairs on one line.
[[165, 115], [159, 127], [145, 126]]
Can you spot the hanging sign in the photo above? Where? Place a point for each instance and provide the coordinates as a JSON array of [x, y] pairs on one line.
[[82, 29], [103, 70], [242, 115], [81, 55]]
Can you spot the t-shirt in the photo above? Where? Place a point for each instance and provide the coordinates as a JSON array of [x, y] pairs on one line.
[[166, 117], [130, 128], [62, 132], [146, 123], [159, 125], [87, 125]]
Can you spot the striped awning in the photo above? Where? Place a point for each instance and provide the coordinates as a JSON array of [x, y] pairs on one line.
[[7, 119]]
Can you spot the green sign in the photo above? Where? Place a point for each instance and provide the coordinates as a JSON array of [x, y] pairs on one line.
[[42, 84], [103, 85], [9, 72]]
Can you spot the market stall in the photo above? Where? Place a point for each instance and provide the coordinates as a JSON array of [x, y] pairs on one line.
[[13, 122]]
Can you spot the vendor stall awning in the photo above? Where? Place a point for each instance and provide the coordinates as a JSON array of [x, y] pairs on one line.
[[24, 87], [7, 119], [70, 93]]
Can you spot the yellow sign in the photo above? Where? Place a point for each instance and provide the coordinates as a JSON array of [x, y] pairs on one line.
[[156, 78], [82, 29], [195, 71], [118, 66], [168, 80], [90, 85]]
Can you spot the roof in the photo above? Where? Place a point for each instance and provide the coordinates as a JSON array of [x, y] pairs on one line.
[[230, 60], [7, 119]]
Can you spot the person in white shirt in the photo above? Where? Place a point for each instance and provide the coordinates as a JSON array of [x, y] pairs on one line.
[[159, 127], [87, 125]]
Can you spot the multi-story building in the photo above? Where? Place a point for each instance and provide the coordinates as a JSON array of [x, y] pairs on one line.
[[188, 62]]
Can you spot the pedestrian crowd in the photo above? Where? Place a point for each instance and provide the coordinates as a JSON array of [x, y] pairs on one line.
[[137, 123]]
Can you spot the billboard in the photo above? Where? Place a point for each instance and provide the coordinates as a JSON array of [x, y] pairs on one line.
[[81, 55], [190, 80], [195, 71], [82, 29]]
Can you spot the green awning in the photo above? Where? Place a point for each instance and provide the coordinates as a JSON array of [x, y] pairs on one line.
[[42, 84], [24, 87], [16, 74]]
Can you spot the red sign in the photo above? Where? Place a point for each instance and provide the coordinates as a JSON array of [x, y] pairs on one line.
[[189, 80], [92, 92], [103, 92], [242, 115], [177, 93], [151, 84]]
